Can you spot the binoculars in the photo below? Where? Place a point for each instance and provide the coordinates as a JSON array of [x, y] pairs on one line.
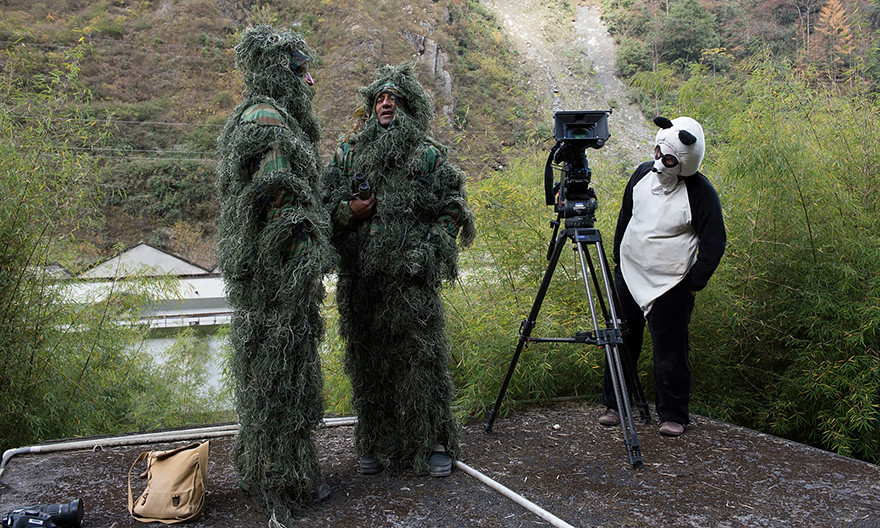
[[362, 186]]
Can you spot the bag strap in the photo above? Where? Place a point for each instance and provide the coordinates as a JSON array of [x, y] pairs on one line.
[[203, 461], [140, 457]]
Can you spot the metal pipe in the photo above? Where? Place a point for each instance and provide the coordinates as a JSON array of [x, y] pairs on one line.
[[515, 497], [145, 438]]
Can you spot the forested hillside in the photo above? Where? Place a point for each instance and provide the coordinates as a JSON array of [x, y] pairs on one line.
[[162, 75], [829, 42]]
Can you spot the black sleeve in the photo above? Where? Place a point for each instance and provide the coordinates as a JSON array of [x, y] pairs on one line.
[[626, 206], [708, 223]]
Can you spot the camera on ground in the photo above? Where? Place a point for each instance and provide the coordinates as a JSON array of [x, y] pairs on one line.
[[59, 515]]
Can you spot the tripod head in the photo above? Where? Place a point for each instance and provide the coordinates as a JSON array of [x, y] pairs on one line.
[[571, 196]]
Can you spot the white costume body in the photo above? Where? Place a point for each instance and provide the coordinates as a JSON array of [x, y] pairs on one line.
[[660, 244]]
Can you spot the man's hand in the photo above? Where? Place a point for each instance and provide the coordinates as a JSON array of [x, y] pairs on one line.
[[363, 209]]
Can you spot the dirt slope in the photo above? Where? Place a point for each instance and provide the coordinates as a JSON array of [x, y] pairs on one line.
[[572, 65]]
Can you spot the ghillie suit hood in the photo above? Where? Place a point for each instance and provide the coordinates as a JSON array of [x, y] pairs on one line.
[[402, 160], [273, 249], [391, 269], [269, 60], [382, 150], [402, 82]]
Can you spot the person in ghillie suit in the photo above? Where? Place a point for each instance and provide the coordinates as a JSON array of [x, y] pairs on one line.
[[273, 248], [397, 244]]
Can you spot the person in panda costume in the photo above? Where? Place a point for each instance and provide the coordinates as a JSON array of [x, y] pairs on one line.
[[669, 240]]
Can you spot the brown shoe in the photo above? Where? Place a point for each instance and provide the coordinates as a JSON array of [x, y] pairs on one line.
[[611, 417], [671, 429]]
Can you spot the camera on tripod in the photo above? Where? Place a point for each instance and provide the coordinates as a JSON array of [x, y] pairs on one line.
[[575, 201], [575, 132], [46, 516]]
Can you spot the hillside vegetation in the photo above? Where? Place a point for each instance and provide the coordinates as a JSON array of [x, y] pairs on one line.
[[162, 75]]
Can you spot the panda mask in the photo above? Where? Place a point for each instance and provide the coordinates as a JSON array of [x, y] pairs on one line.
[[683, 139]]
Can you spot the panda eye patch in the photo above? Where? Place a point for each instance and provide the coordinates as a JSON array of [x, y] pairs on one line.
[[668, 160]]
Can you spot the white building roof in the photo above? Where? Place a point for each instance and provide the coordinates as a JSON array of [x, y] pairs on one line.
[[200, 298], [142, 259]]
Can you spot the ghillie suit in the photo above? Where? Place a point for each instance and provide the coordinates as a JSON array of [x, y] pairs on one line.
[[391, 269], [273, 249]]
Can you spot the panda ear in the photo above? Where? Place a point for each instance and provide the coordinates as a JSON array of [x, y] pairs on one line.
[[662, 122], [686, 137]]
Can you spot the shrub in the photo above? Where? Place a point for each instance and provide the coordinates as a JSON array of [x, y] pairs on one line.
[[499, 281], [633, 56], [789, 336], [67, 366]]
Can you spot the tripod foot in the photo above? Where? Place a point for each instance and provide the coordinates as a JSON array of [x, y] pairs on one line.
[[490, 420], [635, 456], [644, 413]]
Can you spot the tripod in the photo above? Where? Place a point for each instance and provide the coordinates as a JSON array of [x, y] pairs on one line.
[[580, 231]]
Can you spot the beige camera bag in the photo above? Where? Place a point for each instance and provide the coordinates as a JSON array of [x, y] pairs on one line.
[[176, 485]]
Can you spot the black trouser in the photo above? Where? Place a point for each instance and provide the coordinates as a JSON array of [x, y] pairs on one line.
[[668, 323]]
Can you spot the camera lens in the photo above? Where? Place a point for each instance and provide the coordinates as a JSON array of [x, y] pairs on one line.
[[69, 514]]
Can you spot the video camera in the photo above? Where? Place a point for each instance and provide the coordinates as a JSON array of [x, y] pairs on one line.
[[572, 196], [46, 516]]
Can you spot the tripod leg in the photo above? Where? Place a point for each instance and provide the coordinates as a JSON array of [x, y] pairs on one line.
[[630, 440], [610, 339], [629, 367], [525, 332]]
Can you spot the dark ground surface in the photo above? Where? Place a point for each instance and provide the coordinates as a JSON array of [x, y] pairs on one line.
[[715, 475]]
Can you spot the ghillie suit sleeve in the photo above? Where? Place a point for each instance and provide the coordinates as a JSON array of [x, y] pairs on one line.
[[273, 249], [391, 270]]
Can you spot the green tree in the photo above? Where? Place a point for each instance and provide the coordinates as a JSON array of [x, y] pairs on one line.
[[66, 366], [791, 322], [684, 32], [633, 56]]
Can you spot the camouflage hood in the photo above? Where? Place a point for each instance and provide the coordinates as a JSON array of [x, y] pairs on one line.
[[269, 60], [412, 99]]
